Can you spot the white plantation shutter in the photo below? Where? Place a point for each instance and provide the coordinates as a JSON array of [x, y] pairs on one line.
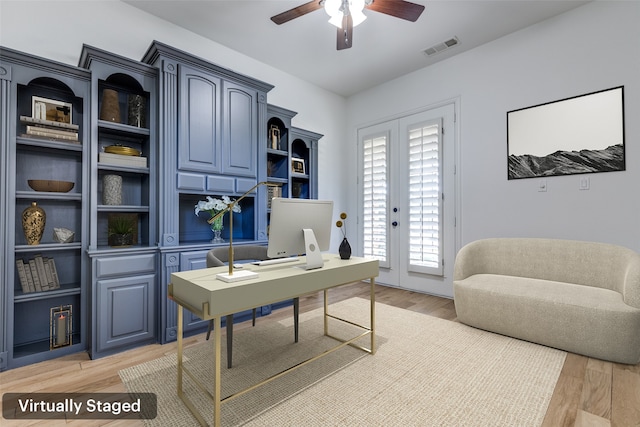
[[375, 198], [425, 198]]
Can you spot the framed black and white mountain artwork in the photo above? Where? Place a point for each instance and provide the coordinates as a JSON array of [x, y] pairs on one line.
[[582, 134]]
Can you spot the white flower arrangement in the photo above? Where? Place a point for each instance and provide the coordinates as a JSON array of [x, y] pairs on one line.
[[214, 207]]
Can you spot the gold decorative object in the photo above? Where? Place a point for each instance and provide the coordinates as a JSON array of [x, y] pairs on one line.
[[122, 150], [60, 326], [50, 185], [33, 221], [110, 109]]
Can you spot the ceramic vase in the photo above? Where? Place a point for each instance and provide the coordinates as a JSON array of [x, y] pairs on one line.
[[33, 222], [112, 190], [110, 108], [345, 249]]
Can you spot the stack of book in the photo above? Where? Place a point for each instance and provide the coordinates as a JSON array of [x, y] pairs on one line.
[[42, 128], [122, 160], [38, 274]]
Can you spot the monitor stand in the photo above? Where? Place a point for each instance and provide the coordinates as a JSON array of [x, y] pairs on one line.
[[314, 257]]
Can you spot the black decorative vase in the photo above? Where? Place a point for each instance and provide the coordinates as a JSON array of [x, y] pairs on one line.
[[345, 249]]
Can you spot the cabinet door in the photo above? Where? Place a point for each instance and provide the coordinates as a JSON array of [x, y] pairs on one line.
[[125, 311], [199, 137], [240, 130]]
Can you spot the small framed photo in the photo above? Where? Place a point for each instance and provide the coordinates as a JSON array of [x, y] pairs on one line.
[[52, 110], [297, 166]]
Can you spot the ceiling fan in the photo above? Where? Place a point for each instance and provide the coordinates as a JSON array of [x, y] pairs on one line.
[[346, 14]]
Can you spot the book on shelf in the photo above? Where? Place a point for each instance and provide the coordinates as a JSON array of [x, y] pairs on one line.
[[35, 279], [49, 275], [49, 123], [42, 128], [122, 160], [54, 274], [30, 278], [37, 130], [38, 274], [22, 275], [42, 274]]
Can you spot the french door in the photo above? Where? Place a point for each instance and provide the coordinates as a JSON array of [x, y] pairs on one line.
[[406, 202]]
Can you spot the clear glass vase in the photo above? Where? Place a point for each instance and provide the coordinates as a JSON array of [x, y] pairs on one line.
[[216, 228]]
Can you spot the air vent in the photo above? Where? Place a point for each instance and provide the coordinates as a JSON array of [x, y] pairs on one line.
[[441, 46]]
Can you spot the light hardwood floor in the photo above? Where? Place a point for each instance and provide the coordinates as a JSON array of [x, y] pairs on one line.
[[589, 392]]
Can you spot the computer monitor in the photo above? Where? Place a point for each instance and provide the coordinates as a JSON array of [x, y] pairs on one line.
[[300, 227]]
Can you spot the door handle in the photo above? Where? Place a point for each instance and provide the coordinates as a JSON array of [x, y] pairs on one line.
[[394, 223]]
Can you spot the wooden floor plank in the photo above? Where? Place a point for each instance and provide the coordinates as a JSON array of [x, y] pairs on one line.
[[596, 393], [586, 419], [625, 399], [563, 407]]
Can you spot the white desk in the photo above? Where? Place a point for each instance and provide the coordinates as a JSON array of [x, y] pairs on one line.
[[201, 293]]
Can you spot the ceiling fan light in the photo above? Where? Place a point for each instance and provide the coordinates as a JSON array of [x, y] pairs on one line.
[[357, 15], [335, 10], [336, 20], [332, 7]]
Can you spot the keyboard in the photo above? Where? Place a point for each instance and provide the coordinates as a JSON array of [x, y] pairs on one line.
[[276, 261]]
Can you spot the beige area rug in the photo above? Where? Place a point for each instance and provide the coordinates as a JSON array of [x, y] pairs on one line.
[[426, 372]]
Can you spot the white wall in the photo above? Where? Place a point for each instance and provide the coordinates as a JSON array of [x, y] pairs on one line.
[[594, 47], [57, 30]]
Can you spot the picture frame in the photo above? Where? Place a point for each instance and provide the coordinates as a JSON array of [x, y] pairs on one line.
[[51, 109], [60, 326], [298, 166], [577, 135]]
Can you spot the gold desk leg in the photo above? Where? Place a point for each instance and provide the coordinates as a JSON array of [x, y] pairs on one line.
[[216, 385], [326, 319], [372, 315], [372, 300], [180, 324]]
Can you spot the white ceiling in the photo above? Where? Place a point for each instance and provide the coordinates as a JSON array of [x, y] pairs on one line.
[[384, 47]]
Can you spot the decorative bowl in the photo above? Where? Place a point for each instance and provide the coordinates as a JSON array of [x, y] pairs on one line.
[[122, 150], [50, 185]]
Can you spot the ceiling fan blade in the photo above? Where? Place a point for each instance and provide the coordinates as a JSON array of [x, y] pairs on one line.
[[345, 34], [296, 12], [398, 8]]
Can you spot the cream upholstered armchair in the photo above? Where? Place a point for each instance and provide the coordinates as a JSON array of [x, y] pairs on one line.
[[217, 257]]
